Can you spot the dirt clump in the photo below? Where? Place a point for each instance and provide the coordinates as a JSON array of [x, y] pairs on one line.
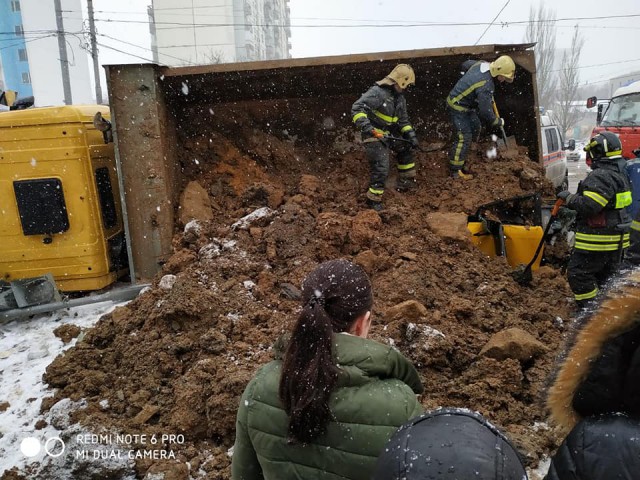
[[177, 359], [67, 332]]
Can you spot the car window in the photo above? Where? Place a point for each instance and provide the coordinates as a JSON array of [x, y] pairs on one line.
[[547, 134], [623, 110], [555, 141]]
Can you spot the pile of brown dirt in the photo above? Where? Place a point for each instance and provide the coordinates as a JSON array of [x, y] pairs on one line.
[[177, 359]]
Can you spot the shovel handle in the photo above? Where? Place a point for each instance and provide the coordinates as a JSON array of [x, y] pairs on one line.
[[554, 213], [495, 107], [556, 207]]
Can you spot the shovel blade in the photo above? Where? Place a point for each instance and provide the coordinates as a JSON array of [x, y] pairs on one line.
[[511, 143]]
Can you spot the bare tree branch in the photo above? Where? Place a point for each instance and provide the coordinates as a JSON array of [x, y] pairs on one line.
[[566, 114], [541, 30]]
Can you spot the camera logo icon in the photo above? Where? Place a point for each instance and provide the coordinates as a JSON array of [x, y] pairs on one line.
[[31, 446]]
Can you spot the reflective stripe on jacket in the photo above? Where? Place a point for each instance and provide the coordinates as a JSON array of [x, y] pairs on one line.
[[383, 108], [474, 91], [603, 221]]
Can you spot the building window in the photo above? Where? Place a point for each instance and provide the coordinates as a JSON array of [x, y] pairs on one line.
[[15, 5], [26, 77], [19, 31], [22, 54]]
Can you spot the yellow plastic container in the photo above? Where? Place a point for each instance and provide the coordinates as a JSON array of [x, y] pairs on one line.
[[60, 201], [520, 243], [481, 239]]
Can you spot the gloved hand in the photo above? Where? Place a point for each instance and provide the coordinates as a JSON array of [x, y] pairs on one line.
[[565, 195], [499, 122], [372, 132], [413, 138]]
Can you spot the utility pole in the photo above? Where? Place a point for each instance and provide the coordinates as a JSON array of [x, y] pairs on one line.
[[94, 51], [64, 62]]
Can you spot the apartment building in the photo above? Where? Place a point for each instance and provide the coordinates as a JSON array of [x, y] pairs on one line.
[[30, 54], [195, 32]]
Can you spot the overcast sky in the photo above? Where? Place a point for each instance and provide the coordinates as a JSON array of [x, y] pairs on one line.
[[611, 41]]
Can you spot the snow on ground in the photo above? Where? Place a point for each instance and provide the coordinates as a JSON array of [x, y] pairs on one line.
[[27, 347]]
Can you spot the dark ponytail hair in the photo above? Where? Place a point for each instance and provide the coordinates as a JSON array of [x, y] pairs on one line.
[[334, 295]]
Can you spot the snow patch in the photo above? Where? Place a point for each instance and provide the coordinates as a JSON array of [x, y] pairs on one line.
[[167, 282], [27, 347], [247, 220]]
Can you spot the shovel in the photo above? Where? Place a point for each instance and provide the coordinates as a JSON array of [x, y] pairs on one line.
[[505, 143], [433, 148], [524, 277]]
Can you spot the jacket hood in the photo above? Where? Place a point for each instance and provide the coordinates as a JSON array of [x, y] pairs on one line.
[[449, 444], [617, 314]]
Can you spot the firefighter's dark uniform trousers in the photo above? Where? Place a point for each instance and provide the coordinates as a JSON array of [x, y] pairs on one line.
[[378, 157], [466, 127], [602, 228], [470, 103], [383, 109]]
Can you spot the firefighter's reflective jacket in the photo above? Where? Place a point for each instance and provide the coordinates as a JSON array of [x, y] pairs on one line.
[[474, 91], [382, 108], [603, 221]]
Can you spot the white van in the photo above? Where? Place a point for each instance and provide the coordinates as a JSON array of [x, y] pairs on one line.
[[554, 157]]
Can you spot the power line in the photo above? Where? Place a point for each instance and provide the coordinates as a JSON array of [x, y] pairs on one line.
[[372, 25], [598, 65], [145, 48], [22, 42], [126, 53], [494, 19]]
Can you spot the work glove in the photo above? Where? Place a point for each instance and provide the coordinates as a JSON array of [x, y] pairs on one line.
[[372, 132], [565, 195], [499, 122], [413, 138]]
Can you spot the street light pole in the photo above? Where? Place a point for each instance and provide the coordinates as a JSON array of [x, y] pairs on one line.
[[94, 52]]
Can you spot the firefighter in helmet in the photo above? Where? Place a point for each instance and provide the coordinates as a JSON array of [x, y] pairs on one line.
[[471, 103], [381, 113], [602, 223]]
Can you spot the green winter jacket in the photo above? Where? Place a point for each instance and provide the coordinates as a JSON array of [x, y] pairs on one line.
[[376, 393]]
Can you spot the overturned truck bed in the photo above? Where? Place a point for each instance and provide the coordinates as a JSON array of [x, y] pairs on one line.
[[239, 180]]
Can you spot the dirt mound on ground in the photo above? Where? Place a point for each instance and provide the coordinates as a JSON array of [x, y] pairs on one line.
[[177, 359]]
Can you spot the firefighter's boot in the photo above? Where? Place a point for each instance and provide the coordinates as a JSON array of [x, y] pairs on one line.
[[406, 181], [460, 175], [374, 201]]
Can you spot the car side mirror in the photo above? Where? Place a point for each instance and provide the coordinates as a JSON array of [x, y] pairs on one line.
[[591, 102], [572, 145]]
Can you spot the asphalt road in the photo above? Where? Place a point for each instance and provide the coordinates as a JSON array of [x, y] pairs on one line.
[[577, 171]]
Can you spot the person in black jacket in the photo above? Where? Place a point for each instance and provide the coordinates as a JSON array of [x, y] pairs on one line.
[[596, 392], [632, 255], [605, 447], [602, 224], [449, 444], [471, 102], [380, 113]]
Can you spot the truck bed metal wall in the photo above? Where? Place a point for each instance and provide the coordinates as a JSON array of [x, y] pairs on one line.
[[338, 79], [144, 135]]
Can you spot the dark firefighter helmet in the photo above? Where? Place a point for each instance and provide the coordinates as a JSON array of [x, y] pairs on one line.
[[603, 145]]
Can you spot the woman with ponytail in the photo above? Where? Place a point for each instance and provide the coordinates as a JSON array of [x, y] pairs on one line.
[[327, 406]]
